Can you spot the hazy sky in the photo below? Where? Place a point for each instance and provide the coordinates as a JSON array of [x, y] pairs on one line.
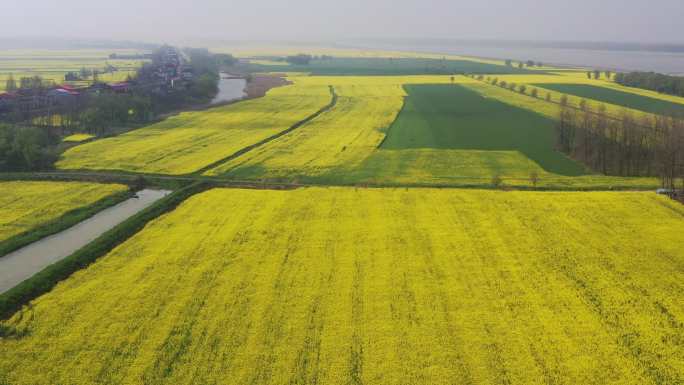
[[154, 20]]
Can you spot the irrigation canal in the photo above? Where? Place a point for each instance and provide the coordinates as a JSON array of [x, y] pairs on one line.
[[19, 265]]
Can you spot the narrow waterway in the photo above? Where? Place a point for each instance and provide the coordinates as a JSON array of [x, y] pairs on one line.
[[229, 89], [27, 261]]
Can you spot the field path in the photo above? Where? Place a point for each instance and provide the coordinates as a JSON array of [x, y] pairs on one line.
[[271, 138]]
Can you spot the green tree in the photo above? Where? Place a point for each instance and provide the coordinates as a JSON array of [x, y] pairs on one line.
[[10, 83], [25, 149]]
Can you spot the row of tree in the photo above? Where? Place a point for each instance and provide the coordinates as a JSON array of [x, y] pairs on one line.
[[596, 74], [301, 59], [623, 146], [666, 84], [27, 83], [522, 64]]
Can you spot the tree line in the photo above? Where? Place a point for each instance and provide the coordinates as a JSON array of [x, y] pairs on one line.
[[596, 74], [665, 84], [522, 64], [27, 83], [623, 146]]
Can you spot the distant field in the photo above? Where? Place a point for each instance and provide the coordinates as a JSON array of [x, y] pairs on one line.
[[54, 64], [472, 168], [391, 66], [340, 138], [373, 286], [340, 146], [26, 205], [191, 140], [455, 117], [613, 96]]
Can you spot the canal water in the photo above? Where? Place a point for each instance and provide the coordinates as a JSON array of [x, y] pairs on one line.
[[27, 261], [229, 89]]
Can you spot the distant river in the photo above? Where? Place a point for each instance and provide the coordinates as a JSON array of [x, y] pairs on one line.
[[230, 89]]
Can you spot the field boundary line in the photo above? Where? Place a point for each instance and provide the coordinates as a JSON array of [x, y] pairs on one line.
[[387, 131], [326, 108], [456, 182]]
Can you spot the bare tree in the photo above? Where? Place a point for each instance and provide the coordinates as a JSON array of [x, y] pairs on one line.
[[534, 178]]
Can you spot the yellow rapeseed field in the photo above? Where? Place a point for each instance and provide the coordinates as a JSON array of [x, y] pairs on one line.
[[25, 205], [191, 140], [371, 286], [468, 168], [75, 138], [340, 138]]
